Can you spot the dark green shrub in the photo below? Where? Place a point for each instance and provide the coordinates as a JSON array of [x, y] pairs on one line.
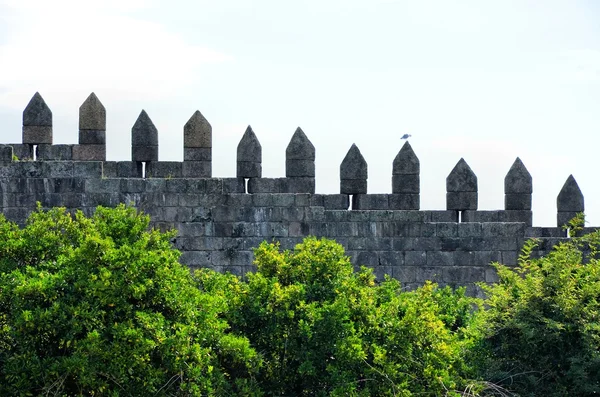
[[101, 306], [541, 332], [322, 329]]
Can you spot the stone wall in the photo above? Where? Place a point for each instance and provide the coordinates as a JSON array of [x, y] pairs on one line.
[[220, 220]]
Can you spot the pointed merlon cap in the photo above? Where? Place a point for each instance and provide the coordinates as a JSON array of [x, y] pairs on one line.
[[249, 148], [92, 115], [37, 113], [406, 161], [144, 133], [354, 165], [197, 132], [518, 180], [300, 147], [570, 198], [461, 179]]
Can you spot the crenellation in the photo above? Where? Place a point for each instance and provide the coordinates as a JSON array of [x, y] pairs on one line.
[[220, 220]]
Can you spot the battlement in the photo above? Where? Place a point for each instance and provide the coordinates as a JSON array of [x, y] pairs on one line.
[[221, 219]]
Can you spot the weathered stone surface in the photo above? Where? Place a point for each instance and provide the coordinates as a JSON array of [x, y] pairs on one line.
[[23, 151], [461, 201], [197, 154], [129, 169], [37, 135], [300, 147], [406, 161], [89, 152], [197, 132], [517, 201], [249, 169], [92, 115], [54, 152], [299, 168], [353, 186], [144, 153], [570, 198], [518, 180], [6, 153], [354, 165], [249, 148], [265, 185], [298, 185], [37, 113], [164, 169], [197, 169], [92, 137], [370, 202], [249, 151], [461, 178], [404, 201], [406, 183], [144, 133]]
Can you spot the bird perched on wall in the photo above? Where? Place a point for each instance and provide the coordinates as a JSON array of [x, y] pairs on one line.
[[405, 136]]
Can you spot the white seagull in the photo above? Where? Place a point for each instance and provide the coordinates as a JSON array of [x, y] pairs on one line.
[[405, 136]]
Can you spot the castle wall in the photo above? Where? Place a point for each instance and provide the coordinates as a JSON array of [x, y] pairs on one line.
[[220, 220]]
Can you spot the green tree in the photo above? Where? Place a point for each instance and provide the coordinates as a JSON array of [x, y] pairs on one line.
[[323, 329], [101, 306], [541, 331]]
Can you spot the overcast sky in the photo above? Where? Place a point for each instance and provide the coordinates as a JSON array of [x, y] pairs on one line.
[[484, 80]]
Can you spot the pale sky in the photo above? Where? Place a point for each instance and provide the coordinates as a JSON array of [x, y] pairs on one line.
[[484, 80]]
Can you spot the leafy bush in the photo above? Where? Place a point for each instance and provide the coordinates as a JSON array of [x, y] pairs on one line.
[[541, 332], [101, 306], [322, 329]]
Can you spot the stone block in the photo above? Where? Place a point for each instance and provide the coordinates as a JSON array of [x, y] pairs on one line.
[[6, 153], [197, 133], [37, 113], [404, 201], [433, 274], [92, 137], [300, 148], [370, 202], [299, 168], [197, 154], [57, 169], [446, 229], [264, 185], [441, 216], [37, 135], [480, 216], [144, 133], [406, 162], [502, 229], [353, 166], [66, 185], [129, 169], [408, 183], [523, 216], [570, 198], [518, 180], [517, 201], [234, 185], [336, 201], [353, 186], [89, 152], [461, 201], [144, 153], [461, 178], [197, 169], [564, 217], [164, 169], [302, 199], [249, 169], [23, 151], [298, 185], [92, 115], [54, 152]]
